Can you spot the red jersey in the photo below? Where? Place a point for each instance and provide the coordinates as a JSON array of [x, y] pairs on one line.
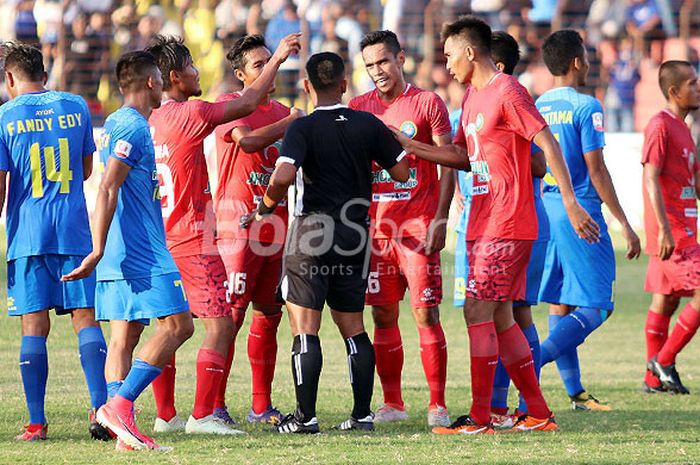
[[178, 130], [669, 146], [406, 209], [497, 126], [244, 177]]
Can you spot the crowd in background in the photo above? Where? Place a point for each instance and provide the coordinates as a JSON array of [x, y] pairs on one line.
[[627, 40]]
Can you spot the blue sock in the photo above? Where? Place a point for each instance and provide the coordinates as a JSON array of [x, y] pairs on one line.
[[570, 331], [501, 383], [570, 372], [533, 341], [113, 388], [93, 352], [140, 376], [34, 367]]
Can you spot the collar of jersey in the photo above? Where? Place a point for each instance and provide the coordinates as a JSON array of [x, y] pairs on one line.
[[388, 104], [331, 107]]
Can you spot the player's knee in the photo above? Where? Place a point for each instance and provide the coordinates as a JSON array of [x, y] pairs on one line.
[[385, 316], [184, 330], [426, 317], [83, 318], [36, 324]]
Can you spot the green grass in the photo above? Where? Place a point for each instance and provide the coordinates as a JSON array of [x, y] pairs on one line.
[[641, 429]]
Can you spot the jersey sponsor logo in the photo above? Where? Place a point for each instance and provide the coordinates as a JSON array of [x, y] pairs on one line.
[[691, 212], [259, 178], [479, 123], [391, 196], [272, 152], [383, 177], [598, 124], [688, 193], [480, 189], [480, 169], [428, 295], [409, 128], [122, 149], [559, 117], [341, 118]]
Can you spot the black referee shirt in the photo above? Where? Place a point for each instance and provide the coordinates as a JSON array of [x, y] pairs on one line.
[[333, 149]]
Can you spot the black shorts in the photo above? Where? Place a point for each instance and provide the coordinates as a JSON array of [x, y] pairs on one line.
[[325, 261]]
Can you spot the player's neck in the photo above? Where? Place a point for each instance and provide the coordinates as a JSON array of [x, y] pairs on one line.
[[139, 102], [328, 101], [29, 88], [175, 96], [565, 81], [394, 93], [676, 110], [483, 74]]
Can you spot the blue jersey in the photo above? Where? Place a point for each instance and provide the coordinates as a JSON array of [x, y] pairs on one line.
[[542, 218], [43, 139], [464, 179], [136, 240], [577, 122]]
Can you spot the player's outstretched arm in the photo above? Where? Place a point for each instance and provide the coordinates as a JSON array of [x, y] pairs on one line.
[[653, 186], [451, 155], [583, 224], [602, 182], [106, 204], [252, 141], [257, 92]]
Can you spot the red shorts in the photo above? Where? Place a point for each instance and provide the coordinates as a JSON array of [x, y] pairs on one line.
[[399, 263], [204, 277], [678, 276], [254, 271], [497, 269]]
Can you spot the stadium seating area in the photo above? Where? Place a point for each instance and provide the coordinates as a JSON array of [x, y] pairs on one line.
[[627, 40]]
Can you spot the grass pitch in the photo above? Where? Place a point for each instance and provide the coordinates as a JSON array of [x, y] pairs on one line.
[[641, 429]]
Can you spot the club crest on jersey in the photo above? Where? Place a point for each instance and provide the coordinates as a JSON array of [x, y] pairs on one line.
[[597, 118], [122, 149], [409, 128], [479, 123]]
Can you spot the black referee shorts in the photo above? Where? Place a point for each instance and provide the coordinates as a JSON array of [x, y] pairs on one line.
[[325, 261]]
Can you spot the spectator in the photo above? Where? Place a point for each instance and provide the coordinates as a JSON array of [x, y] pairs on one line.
[[82, 60], [491, 12], [25, 24], [644, 26], [620, 97]]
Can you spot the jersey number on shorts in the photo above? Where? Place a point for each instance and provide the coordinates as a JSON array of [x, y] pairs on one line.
[[167, 197], [235, 285], [178, 283], [64, 175], [373, 282]]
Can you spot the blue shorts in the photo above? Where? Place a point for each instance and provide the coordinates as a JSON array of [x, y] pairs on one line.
[[577, 273], [140, 299], [461, 270], [34, 284], [535, 269]]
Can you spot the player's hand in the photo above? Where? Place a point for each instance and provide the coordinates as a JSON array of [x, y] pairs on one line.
[[634, 247], [247, 219], [400, 137], [296, 113], [586, 228], [288, 46], [435, 238], [666, 243], [85, 269]]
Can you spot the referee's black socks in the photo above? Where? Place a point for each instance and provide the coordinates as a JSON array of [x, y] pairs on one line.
[[307, 361], [361, 365]]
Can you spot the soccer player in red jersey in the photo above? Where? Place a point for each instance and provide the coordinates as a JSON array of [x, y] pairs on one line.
[[499, 123], [247, 150], [178, 129], [671, 189], [409, 229]]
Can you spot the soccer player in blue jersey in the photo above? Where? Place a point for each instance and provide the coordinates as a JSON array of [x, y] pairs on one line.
[[46, 147], [136, 276], [579, 277]]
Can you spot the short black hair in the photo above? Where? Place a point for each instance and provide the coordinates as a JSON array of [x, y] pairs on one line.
[[387, 38], [476, 31], [670, 74], [24, 60], [133, 69], [237, 54], [559, 50], [325, 70], [505, 49], [171, 54]]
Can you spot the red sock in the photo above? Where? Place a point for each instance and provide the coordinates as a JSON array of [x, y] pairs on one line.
[[656, 331], [517, 360], [483, 354], [210, 371], [262, 353], [683, 331], [220, 398], [388, 351], [433, 354], [164, 391]]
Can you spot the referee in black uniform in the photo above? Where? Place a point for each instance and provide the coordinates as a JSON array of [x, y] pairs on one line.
[[329, 153]]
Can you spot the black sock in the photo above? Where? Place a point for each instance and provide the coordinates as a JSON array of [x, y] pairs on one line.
[[307, 361], [361, 364]]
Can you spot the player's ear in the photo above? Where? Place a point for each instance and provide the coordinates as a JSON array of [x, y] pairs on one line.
[[401, 58], [174, 77], [9, 79], [239, 74], [344, 86], [577, 63], [500, 66], [469, 52], [307, 87]]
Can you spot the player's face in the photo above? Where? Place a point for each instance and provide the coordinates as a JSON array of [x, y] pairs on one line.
[[256, 59], [155, 87], [458, 64], [384, 67], [689, 92], [189, 77]]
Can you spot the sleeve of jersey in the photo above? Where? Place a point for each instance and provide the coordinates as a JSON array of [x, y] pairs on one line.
[[4, 156], [439, 116], [388, 151], [520, 113], [223, 131], [592, 126], [294, 144], [88, 137], [127, 146], [654, 149]]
